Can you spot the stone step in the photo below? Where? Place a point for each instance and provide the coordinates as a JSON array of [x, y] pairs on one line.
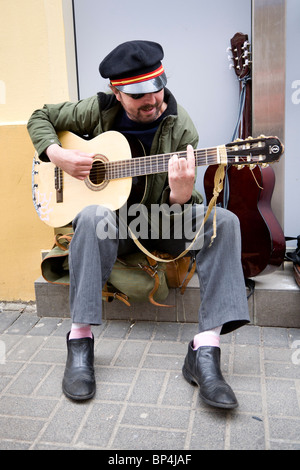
[[275, 302]]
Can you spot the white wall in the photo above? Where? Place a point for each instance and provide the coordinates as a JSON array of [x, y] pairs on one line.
[[194, 35], [292, 122]]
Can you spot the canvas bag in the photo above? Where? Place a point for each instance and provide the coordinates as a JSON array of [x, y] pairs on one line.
[[55, 266], [136, 277]]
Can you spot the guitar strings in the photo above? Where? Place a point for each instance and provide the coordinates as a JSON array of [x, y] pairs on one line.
[[98, 176], [154, 164], [151, 164], [108, 175]]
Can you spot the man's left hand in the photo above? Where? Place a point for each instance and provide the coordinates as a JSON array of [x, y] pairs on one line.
[[181, 177]]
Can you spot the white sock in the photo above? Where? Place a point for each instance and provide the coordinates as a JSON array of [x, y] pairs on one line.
[[80, 330], [208, 338]]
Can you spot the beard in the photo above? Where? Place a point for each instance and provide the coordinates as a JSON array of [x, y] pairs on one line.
[[146, 113]]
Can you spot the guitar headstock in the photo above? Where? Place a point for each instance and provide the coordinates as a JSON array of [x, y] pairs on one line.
[[240, 49], [262, 150]]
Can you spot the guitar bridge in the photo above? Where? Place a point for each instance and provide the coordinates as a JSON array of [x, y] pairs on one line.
[[58, 184]]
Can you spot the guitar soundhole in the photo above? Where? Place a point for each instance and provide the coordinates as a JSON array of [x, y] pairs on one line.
[[96, 179]]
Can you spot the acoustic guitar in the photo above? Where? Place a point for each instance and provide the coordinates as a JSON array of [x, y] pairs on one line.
[[248, 190], [118, 176]]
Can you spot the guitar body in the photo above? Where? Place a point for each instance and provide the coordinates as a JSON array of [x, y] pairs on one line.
[[116, 178], [58, 208], [263, 242]]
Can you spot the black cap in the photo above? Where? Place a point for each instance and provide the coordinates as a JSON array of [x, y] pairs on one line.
[[135, 67]]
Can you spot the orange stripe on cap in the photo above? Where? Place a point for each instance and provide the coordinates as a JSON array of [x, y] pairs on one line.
[[138, 78]]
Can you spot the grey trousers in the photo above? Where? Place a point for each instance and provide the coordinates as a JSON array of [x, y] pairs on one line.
[[222, 285]]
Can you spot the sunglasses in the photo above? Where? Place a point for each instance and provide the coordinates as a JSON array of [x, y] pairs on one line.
[[139, 95]]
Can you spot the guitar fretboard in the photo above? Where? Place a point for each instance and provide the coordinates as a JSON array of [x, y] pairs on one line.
[[139, 166]]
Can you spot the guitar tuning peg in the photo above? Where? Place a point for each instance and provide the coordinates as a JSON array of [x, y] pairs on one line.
[[240, 167], [231, 66], [265, 165], [252, 166], [228, 49]]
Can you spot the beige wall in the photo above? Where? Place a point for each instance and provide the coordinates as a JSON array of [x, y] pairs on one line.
[[34, 59]]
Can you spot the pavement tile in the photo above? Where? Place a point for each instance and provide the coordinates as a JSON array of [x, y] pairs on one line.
[[142, 401]]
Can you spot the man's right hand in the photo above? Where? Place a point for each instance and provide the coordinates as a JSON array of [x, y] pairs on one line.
[[74, 162]]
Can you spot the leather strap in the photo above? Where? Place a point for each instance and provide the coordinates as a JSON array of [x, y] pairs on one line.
[[218, 186], [188, 278], [114, 295], [59, 240], [152, 271]]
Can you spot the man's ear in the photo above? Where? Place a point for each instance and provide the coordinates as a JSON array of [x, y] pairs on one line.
[[115, 92]]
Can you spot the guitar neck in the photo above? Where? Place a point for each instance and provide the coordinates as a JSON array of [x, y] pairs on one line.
[[148, 165]]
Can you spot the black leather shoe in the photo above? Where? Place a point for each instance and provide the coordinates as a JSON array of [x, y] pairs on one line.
[[79, 378], [202, 367]]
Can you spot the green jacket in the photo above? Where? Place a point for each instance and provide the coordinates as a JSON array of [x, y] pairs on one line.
[[92, 116]]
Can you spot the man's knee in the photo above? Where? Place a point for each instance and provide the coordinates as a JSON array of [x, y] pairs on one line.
[[91, 215], [228, 226], [85, 216], [227, 217]]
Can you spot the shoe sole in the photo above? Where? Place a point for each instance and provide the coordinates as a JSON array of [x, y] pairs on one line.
[[191, 380], [78, 398]]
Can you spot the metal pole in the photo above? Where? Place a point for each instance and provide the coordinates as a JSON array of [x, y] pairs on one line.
[[268, 82]]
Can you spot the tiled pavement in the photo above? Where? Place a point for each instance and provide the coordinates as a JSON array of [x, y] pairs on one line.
[[142, 400]]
